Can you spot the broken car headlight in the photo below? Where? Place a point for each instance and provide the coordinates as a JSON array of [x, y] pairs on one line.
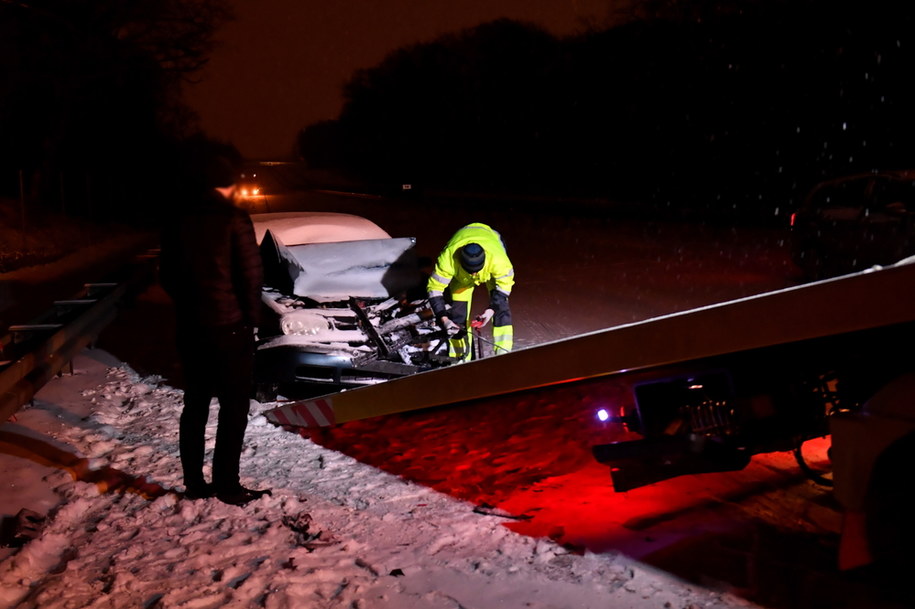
[[303, 323]]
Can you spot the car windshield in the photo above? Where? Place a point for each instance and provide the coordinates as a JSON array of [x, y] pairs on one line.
[[840, 201], [897, 196], [838, 195]]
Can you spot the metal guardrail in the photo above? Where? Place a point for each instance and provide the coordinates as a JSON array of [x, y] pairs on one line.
[[32, 354], [46, 347]]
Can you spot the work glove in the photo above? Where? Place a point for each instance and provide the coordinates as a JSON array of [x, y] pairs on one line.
[[450, 327], [482, 319]]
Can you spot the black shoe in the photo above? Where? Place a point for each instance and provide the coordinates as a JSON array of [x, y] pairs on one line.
[[203, 491], [241, 495]]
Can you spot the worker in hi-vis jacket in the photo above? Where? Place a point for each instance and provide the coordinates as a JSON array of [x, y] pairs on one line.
[[474, 256]]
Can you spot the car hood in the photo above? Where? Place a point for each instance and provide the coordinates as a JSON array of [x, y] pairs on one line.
[[329, 272]]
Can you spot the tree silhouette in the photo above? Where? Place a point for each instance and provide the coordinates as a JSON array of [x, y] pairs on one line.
[[425, 109], [91, 88], [736, 111]]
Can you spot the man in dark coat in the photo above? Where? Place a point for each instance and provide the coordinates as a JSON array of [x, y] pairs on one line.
[[211, 267]]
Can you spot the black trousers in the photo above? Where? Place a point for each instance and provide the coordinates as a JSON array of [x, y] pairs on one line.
[[218, 363]]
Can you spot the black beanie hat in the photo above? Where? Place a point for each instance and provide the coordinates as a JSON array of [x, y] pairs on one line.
[[472, 257]]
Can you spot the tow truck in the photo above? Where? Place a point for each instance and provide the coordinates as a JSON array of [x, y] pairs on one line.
[[710, 387]]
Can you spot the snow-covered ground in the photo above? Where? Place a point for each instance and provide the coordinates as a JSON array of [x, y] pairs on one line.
[[98, 453]]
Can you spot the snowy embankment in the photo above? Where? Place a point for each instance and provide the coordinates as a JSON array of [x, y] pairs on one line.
[[98, 453]]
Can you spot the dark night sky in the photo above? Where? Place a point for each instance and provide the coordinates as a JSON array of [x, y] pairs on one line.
[[282, 64]]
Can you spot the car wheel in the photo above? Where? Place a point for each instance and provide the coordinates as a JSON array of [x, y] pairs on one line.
[[266, 392]]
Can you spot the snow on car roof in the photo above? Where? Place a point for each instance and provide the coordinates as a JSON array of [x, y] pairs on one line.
[[299, 227]]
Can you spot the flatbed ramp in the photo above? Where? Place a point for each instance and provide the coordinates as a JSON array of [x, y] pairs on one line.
[[862, 301]]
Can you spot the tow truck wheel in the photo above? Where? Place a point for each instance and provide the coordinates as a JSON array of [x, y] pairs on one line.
[[890, 500]]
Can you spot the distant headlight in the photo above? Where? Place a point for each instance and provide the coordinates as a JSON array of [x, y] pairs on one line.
[[303, 323], [249, 191]]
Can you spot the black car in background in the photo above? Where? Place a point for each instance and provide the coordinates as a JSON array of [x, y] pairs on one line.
[[855, 222]]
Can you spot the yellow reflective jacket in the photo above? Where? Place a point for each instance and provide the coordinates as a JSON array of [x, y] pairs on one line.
[[497, 269]]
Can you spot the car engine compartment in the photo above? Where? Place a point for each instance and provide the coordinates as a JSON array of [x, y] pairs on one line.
[[342, 315]]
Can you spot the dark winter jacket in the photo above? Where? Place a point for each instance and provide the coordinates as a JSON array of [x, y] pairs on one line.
[[210, 264]]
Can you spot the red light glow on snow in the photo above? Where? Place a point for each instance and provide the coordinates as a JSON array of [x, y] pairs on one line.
[[529, 455]]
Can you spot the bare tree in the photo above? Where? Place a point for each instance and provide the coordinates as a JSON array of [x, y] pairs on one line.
[[85, 80]]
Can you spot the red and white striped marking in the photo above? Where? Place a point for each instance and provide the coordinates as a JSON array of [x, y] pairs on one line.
[[310, 413]]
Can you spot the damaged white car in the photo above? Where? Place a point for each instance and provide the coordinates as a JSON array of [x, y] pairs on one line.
[[345, 306]]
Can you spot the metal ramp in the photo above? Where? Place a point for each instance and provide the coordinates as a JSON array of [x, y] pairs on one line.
[[862, 301]]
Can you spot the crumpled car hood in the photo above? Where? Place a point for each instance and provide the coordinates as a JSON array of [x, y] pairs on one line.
[[327, 272]]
